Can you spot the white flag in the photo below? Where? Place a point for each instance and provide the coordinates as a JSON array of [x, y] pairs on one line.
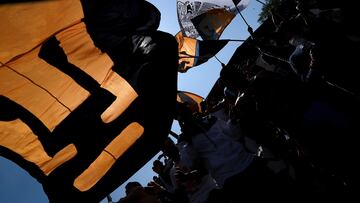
[[188, 9]]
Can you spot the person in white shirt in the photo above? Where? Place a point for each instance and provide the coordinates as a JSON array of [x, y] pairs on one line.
[[237, 171]]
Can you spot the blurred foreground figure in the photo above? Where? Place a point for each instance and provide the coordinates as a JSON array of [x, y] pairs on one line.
[[127, 31]]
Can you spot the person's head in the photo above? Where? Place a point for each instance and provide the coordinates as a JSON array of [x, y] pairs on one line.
[[130, 186], [170, 149], [158, 166]]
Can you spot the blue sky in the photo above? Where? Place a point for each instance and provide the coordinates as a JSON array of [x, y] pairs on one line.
[[16, 186]]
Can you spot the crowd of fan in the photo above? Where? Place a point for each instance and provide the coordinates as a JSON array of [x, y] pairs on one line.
[[282, 129]]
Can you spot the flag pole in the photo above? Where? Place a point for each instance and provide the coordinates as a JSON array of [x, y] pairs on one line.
[[176, 136], [261, 2], [356, 96], [221, 63], [250, 30], [235, 40]]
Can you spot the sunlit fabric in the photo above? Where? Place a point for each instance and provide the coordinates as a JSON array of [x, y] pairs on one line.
[[67, 115], [107, 158], [51, 94], [192, 100], [18, 137], [189, 9], [22, 28], [20, 44], [211, 24], [188, 49], [125, 95], [193, 52]]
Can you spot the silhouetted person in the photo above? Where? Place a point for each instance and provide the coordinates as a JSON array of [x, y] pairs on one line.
[[136, 193]]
